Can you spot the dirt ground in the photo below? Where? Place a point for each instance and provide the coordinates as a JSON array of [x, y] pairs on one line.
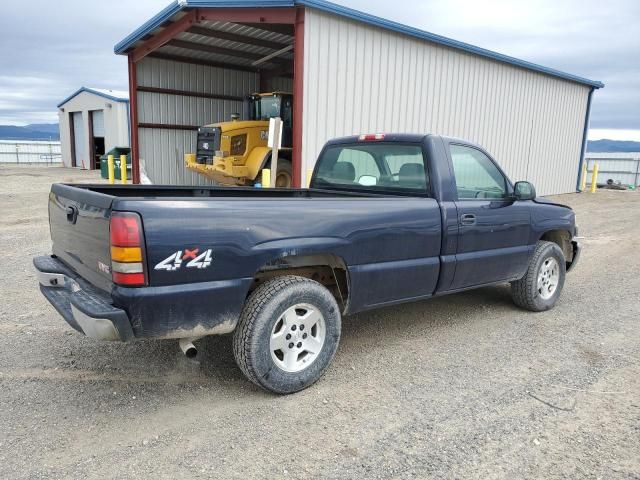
[[465, 386]]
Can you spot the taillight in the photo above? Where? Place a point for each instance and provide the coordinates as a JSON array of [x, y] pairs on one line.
[[125, 230], [371, 137], [127, 241]]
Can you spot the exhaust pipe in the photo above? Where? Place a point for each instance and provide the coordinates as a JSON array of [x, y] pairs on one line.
[[188, 348]]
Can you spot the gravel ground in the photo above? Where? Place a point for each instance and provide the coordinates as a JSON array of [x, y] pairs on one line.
[[465, 386]]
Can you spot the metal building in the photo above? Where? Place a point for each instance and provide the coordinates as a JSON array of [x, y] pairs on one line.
[[350, 73], [92, 122]]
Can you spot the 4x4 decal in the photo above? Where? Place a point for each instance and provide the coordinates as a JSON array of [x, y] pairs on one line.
[[196, 260]]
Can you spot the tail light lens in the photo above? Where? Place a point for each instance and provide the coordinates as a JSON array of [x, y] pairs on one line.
[[127, 242]]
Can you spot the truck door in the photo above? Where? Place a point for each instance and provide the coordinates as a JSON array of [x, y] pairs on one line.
[[494, 230]]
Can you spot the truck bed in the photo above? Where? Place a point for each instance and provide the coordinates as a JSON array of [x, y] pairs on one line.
[[394, 241]]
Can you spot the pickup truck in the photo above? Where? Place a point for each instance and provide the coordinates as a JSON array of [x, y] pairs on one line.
[[387, 219]]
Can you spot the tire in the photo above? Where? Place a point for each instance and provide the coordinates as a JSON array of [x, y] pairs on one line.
[[533, 291], [285, 173], [266, 320]]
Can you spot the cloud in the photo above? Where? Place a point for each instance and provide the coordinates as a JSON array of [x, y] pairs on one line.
[[48, 55], [66, 45], [613, 134]]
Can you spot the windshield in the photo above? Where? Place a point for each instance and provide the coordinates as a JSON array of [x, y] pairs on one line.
[[265, 108], [376, 167]]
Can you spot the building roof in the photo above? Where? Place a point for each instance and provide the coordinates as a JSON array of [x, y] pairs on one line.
[[114, 95], [178, 6]]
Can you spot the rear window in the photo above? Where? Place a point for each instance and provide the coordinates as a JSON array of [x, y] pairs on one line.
[[374, 167]]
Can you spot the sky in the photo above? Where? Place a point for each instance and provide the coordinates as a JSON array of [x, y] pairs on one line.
[[49, 49]]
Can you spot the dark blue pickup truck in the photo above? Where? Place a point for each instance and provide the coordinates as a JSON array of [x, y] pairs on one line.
[[388, 219]]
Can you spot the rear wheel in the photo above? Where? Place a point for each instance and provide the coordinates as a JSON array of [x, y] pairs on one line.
[[542, 285], [288, 334]]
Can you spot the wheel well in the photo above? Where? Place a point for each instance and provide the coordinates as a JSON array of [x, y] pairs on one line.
[[282, 155], [326, 269], [562, 238]]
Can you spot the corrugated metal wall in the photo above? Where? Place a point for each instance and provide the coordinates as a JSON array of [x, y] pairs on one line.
[[363, 79], [162, 150]]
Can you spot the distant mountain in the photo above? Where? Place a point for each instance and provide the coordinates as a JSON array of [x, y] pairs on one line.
[[36, 131], [612, 146], [45, 127]]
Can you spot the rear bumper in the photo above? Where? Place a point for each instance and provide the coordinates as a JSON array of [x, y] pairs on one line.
[[577, 249], [173, 311], [85, 308]]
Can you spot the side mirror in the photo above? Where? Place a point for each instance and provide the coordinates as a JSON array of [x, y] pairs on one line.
[[524, 191]]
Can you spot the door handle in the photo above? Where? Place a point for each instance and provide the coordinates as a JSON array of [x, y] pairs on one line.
[[72, 214], [468, 219]]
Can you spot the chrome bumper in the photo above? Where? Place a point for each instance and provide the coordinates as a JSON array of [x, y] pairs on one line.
[[85, 308]]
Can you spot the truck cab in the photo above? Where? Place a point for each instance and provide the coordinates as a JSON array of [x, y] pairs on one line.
[[235, 152]]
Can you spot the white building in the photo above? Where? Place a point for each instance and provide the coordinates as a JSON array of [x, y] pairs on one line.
[[350, 73], [92, 122]]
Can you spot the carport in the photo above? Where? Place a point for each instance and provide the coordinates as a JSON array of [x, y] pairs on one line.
[[191, 67], [192, 64]]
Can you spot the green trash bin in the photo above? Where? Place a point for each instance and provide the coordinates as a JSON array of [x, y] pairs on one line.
[[116, 152]]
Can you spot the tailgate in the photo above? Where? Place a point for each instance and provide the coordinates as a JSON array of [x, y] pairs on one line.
[[79, 223]]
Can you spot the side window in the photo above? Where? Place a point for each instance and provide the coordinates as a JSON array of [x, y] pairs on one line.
[[477, 177], [287, 112]]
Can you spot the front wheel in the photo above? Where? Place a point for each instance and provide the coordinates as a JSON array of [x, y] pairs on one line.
[[288, 334], [542, 285], [284, 179]]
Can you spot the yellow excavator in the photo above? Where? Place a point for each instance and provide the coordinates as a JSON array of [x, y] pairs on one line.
[[235, 152]]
